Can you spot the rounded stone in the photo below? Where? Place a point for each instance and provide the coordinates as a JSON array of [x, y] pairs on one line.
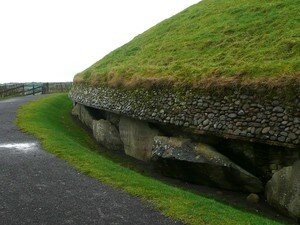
[[292, 136], [205, 122], [237, 132], [278, 109], [211, 115], [232, 115], [241, 113], [246, 106], [237, 102], [296, 120], [222, 118], [195, 122], [205, 105], [265, 130], [238, 124], [281, 139], [253, 198]]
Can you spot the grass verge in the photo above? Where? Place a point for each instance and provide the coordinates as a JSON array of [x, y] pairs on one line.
[[49, 120]]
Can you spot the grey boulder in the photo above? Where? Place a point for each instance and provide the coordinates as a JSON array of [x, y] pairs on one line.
[[84, 115], [137, 137], [283, 190], [201, 164], [107, 135], [76, 110]]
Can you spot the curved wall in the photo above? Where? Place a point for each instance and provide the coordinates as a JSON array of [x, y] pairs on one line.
[[236, 115]]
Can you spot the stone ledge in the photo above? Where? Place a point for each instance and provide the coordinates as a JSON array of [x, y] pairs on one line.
[[236, 116]]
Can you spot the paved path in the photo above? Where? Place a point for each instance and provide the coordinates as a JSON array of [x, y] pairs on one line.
[[36, 188]]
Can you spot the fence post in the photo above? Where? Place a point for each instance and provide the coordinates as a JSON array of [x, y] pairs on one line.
[[33, 91], [45, 88]]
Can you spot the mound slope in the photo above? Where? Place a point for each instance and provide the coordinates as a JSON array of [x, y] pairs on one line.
[[214, 41]]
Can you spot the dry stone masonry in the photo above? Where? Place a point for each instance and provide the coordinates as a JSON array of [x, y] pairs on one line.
[[238, 141], [237, 115]]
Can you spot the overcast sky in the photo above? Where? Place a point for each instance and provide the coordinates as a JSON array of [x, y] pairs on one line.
[[55, 39]]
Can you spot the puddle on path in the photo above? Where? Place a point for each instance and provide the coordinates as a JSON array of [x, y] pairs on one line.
[[9, 100], [28, 146]]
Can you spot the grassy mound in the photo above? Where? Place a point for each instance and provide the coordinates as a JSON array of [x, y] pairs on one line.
[[49, 120], [212, 41]]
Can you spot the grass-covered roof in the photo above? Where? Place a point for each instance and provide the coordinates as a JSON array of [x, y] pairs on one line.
[[214, 40]]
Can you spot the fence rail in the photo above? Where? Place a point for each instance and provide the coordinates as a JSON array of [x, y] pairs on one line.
[[9, 90]]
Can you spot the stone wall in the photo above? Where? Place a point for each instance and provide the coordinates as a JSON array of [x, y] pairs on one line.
[[238, 142], [236, 115], [175, 156]]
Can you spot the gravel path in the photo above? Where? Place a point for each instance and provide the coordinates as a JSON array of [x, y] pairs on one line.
[[36, 188]]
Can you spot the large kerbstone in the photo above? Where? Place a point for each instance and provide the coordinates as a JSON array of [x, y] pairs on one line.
[[283, 190], [86, 117], [83, 114], [76, 110], [137, 137], [107, 134], [201, 164]]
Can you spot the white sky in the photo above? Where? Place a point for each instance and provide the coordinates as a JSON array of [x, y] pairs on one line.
[[55, 39]]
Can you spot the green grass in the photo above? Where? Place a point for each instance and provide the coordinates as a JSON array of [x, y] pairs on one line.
[[214, 39], [49, 120]]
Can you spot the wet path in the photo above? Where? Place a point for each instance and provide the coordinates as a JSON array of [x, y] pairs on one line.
[[36, 188]]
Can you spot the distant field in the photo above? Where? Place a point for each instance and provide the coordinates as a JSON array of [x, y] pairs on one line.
[[212, 41]]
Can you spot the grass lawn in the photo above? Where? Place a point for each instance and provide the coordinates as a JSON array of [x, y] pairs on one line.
[[248, 40], [50, 121]]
